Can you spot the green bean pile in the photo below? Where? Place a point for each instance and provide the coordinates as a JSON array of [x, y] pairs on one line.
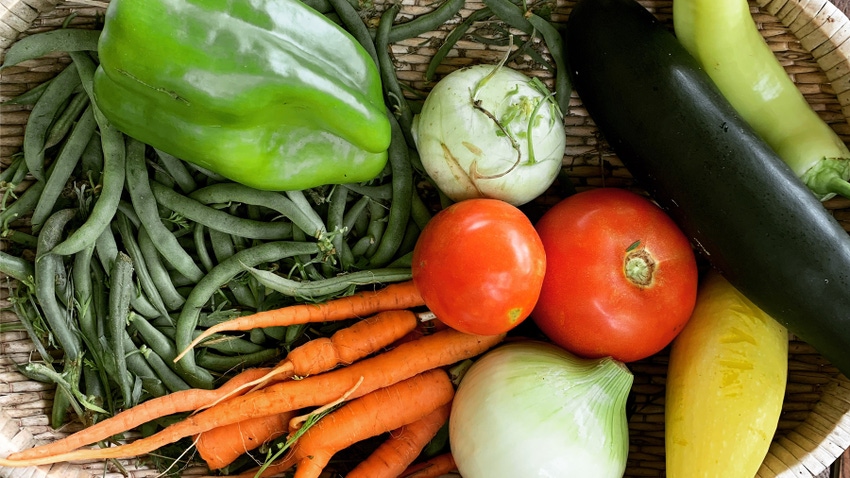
[[124, 253]]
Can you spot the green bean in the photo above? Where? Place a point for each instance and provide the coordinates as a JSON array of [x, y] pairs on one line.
[[552, 37], [227, 344], [100, 302], [85, 68], [356, 211], [317, 290], [360, 248], [511, 14], [131, 245], [301, 214], [229, 363], [30, 96], [127, 210], [141, 368], [106, 205], [336, 211], [223, 249], [392, 89], [214, 219], [321, 6], [170, 296], [120, 289], [91, 161], [426, 22], [141, 196], [106, 248], [201, 246], [17, 267], [315, 227], [19, 237], [23, 205], [46, 267], [452, 38], [59, 40], [165, 349], [377, 226], [11, 176], [178, 171], [355, 26], [402, 187], [382, 192], [419, 212], [66, 119], [83, 293], [304, 263], [221, 274], [62, 168], [168, 377], [42, 115]]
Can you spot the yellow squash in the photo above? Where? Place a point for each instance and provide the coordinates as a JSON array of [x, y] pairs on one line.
[[725, 386]]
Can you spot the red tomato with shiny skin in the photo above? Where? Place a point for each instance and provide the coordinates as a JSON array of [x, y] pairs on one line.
[[479, 265], [621, 277]]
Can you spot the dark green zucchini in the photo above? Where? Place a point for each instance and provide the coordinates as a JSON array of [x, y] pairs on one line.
[[743, 208]]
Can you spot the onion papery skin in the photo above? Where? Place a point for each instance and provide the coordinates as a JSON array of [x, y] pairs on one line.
[[531, 409]]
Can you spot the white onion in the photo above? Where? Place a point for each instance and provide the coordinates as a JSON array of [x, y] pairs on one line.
[[472, 135], [530, 409]]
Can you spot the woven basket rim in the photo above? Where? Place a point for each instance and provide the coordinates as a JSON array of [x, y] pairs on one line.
[[822, 30]]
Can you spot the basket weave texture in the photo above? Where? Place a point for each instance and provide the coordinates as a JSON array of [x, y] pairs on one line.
[[810, 37]]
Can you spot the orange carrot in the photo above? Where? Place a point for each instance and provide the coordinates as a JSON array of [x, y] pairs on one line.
[[433, 468], [402, 295], [382, 370], [220, 446], [396, 453], [370, 415], [177, 402]]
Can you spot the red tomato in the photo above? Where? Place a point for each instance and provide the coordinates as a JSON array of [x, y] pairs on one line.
[[479, 266], [621, 277]]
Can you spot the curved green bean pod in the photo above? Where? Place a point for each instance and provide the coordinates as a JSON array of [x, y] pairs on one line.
[[59, 40], [62, 168], [105, 207], [63, 123], [172, 299], [219, 220], [17, 267], [178, 171], [42, 115], [235, 192], [426, 22]]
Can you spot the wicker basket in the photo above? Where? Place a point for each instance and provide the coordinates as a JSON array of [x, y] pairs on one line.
[[809, 36]]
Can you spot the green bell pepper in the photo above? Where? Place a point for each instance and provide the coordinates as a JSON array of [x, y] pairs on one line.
[[268, 93]]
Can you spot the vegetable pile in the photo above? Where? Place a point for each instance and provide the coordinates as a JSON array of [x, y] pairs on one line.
[[281, 260]]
